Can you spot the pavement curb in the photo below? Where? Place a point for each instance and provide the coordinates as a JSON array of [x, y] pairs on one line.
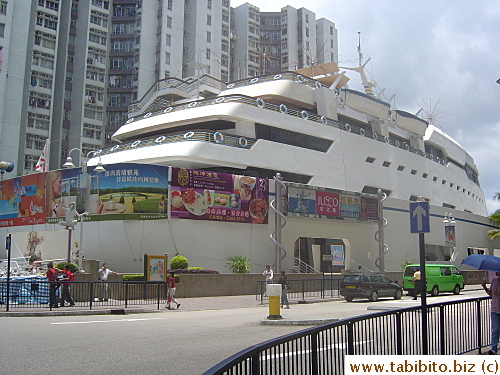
[[77, 312], [302, 322]]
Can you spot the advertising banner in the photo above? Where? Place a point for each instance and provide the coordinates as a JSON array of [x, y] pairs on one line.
[[369, 208], [155, 267], [203, 195], [123, 191], [350, 206], [22, 201], [337, 255], [301, 202], [327, 203], [449, 233]]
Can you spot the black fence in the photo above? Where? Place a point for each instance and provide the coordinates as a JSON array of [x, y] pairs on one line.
[[89, 294], [453, 328], [306, 289]]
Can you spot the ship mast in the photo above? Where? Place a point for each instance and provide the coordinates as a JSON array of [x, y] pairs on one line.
[[361, 70]]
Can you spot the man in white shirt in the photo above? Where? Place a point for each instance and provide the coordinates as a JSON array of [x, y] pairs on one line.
[[103, 274]]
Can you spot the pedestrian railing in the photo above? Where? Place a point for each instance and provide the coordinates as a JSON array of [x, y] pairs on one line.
[[454, 327], [89, 294], [305, 289]]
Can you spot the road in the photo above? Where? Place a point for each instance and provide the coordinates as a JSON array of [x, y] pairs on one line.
[[167, 342]]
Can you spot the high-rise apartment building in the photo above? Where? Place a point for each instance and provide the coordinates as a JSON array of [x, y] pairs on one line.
[[70, 69]]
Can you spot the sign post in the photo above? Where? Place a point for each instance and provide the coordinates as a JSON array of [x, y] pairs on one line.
[[419, 223], [8, 246]]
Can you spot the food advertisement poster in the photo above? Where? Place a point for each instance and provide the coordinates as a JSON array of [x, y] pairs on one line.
[[155, 267], [350, 206], [337, 254], [123, 191], [22, 201], [369, 208], [204, 195]]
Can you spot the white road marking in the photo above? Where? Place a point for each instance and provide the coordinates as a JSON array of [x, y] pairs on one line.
[[107, 321]]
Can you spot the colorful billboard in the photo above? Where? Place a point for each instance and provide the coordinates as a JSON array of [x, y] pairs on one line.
[[369, 208], [122, 192], [203, 195], [22, 201], [350, 206], [301, 202]]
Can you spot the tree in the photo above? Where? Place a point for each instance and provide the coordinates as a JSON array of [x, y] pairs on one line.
[[494, 234], [238, 264]]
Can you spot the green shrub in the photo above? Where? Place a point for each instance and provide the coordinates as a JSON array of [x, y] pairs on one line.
[[134, 200], [136, 277], [72, 266], [195, 268], [238, 264], [122, 200], [179, 262]]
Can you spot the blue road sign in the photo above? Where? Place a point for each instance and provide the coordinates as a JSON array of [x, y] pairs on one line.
[[419, 217]]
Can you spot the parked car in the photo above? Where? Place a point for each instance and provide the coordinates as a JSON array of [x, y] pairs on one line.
[[440, 278], [368, 285]]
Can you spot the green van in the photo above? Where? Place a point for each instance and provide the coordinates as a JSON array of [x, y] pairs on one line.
[[440, 278]]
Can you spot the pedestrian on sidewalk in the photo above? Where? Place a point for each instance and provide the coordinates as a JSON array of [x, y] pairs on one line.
[[416, 282], [51, 275], [268, 273], [66, 286], [285, 287], [171, 292], [103, 274], [494, 292]]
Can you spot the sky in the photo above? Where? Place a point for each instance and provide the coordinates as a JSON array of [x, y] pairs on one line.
[[430, 52]]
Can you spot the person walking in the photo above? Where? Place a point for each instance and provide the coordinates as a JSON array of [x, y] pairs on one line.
[[66, 286], [285, 287], [171, 292], [268, 273], [51, 275], [494, 292], [103, 274], [416, 282]]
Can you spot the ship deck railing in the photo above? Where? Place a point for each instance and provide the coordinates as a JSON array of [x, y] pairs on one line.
[[246, 143]]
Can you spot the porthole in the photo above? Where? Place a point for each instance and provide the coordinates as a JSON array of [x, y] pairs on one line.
[[300, 79], [114, 148], [230, 86], [242, 141], [135, 144], [260, 103], [324, 120], [283, 109], [278, 76], [168, 109], [129, 120], [397, 143], [374, 136], [160, 139], [362, 132], [192, 104], [318, 85], [220, 100], [386, 139], [218, 137], [253, 80], [147, 115], [348, 127], [188, 135], [305, 115], [407, 148]]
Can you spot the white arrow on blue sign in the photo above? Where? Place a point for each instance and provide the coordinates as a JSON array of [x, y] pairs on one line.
[[419, 217]]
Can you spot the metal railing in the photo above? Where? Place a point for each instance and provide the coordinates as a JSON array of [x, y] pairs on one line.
[[303, 267], [305, 289], [454, 327], [88, 294]]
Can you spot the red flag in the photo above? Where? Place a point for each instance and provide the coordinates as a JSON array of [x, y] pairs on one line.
[[41, 165]]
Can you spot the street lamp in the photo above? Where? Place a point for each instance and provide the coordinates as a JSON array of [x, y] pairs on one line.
[[84, 183]]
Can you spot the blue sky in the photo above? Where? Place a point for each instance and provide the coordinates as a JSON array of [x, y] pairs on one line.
[[445, 51]]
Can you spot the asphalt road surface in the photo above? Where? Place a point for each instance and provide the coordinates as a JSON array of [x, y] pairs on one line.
[[168, 342]]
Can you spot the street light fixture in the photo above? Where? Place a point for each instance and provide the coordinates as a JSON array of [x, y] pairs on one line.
[[83, 181]]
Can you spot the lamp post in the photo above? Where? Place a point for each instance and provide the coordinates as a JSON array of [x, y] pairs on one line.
[[84, 185]]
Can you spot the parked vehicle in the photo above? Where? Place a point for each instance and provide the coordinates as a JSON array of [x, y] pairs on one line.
[[440, 278], [368, 285]]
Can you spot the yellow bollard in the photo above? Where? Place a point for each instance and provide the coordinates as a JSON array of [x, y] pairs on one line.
[[274, 293]]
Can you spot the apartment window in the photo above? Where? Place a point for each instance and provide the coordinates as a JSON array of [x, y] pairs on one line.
[[208, 52], [167, 73], [370, 159], [331, 30], [3, 7], [130, 28], [209, 20], [209, 36], [116, 46], [209, 4], [168, 40], [386, 164], [167, 58], [307, 18], [401, 168], [119, 28], [2, 30], [307, 31], [169, 22], [170, 4], [128, 45]]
